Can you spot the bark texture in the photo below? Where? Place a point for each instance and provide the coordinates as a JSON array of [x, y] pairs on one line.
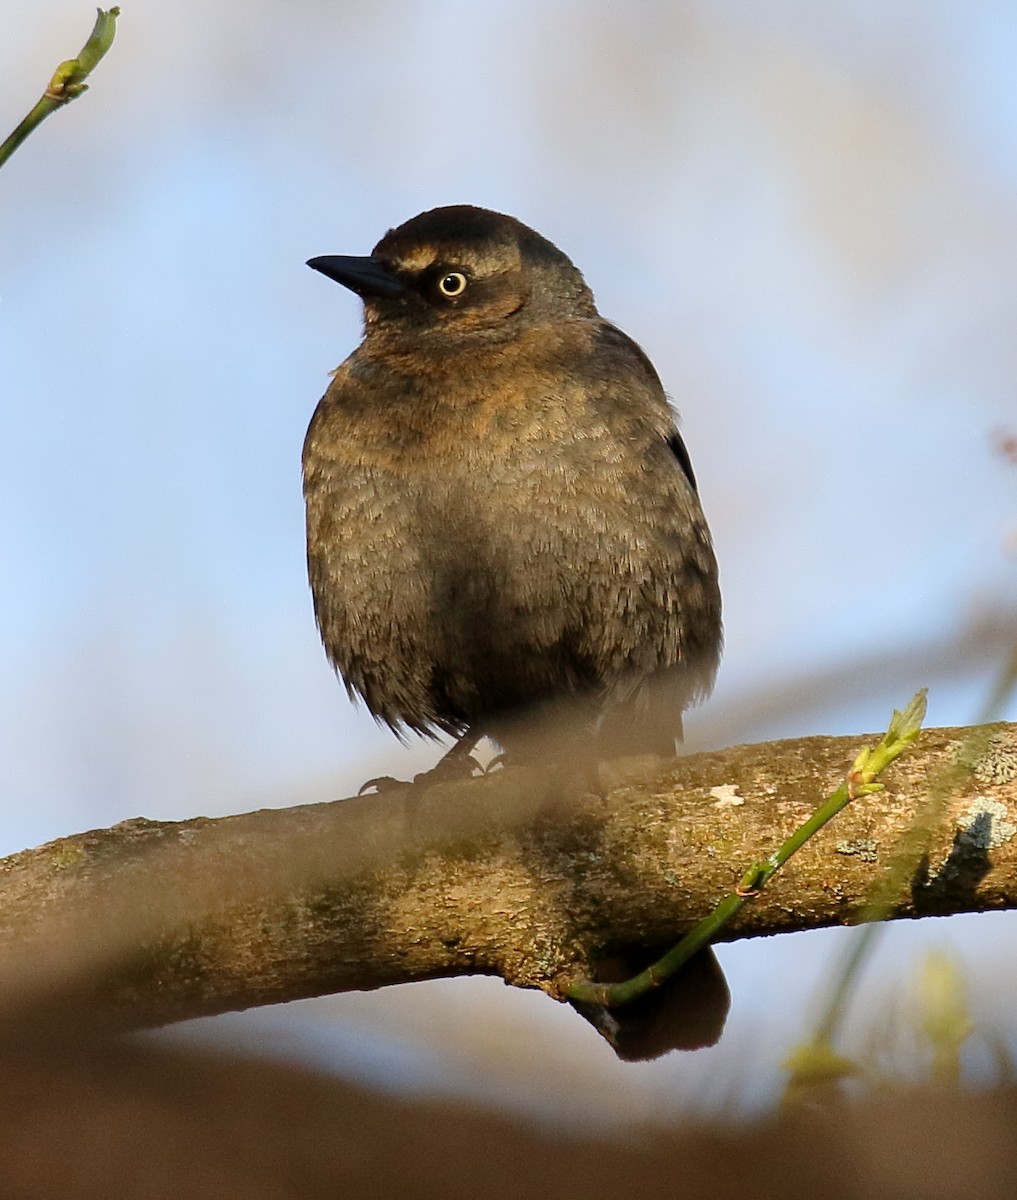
[[504, 875]]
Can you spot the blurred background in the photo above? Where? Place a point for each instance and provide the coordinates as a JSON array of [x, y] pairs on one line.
[[806, 214]]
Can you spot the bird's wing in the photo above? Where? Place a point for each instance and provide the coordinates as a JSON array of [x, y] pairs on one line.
[[677, 447]]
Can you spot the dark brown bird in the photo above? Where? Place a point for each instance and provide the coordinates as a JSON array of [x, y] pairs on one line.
[[501, 513], [503, 530]]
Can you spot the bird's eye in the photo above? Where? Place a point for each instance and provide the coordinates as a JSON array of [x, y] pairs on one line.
[[453, 284]]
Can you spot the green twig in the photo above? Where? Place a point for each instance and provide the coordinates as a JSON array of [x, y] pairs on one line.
[[68, 80], [860, 781]]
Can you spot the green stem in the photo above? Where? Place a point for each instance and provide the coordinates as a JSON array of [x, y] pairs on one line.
[[860, 781], [844, 982], [68, 80]]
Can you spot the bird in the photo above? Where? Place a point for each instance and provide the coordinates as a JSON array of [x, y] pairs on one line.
[[504, 532]]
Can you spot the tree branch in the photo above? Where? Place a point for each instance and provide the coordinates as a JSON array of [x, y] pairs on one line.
[[500, 875]]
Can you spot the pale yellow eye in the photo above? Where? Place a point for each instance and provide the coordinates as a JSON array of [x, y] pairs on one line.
[[453, 284]]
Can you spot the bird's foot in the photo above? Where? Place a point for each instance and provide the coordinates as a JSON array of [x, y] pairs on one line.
[[450, 769]]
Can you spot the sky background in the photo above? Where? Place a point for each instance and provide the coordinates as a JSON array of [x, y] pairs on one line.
[[806, 214]]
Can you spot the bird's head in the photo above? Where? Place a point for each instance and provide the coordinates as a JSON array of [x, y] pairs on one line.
[[461, 270]]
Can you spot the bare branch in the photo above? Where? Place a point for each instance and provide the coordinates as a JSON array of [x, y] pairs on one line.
[[499, 875]]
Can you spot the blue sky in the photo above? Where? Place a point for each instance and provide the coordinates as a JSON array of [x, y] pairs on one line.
[[805, 214]]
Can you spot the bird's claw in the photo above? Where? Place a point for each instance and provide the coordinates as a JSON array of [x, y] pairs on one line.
[[385, 783]]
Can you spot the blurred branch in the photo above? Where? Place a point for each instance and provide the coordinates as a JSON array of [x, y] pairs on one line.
[[68, 81], [962, 652], [89, 1119], [499, 875]]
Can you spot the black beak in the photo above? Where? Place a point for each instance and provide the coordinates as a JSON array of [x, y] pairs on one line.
[[365, 276]]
